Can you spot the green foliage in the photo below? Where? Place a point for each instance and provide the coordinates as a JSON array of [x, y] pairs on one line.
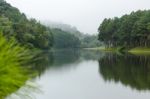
[[64, 27], [6, 26], [64, 39], [12, 57], [129, 30], [87, 41], [27, 32], [140, 51], [90, 41]]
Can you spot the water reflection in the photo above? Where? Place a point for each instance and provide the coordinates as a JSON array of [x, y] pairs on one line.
[[91, 68], [63, 57], [130, 70], [41, 62], [54, 59], [91, 55]]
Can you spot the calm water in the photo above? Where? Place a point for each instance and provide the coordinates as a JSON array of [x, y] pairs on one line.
[[76, 74]]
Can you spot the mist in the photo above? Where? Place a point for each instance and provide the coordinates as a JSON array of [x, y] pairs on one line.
[[86, 15]]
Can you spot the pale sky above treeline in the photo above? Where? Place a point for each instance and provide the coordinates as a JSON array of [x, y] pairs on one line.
[[86, 15]]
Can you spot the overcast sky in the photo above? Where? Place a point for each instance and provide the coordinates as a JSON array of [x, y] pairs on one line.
[[86, 15]]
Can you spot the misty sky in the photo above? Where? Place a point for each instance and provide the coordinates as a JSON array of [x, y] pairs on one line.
[[86, 15]]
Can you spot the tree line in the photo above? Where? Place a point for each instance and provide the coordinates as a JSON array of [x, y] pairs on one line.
[[26, 31], [34, 34], [63, 39], [129, 30], [67, 36]]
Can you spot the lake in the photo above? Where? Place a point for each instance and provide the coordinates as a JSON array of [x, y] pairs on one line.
[[83, 74]]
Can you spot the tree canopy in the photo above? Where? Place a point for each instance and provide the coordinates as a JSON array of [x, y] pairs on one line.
[[129, 30], [26, 31], [64, 39]]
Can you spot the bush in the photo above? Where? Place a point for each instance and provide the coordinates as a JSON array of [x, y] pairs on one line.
[[12, 59]]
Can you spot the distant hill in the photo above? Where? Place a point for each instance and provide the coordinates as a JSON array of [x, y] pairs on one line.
[[86, 40], [64, 27], [63, 39]]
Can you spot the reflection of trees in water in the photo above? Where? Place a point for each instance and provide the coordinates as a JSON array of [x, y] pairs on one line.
[[57, 59], [129, 70], [41, 61], [63, 57], [91, 55]]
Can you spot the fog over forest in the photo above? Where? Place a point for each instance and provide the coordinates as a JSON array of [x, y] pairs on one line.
[[86, 15]]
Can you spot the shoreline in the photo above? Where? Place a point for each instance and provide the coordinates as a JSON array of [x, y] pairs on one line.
[[136, 50]]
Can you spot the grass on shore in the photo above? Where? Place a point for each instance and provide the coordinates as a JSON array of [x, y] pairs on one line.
[[140, 50], [111, 49], [137, 50], [12, 73]]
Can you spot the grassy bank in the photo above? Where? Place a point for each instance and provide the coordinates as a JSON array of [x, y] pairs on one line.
[[137, 50], [111, 49], [12, 73], [140, 50]]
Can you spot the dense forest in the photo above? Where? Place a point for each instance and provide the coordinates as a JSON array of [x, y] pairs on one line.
[[64, 27], [28, 32], [41, 35], [64, 39], [63, 33], [90, 41], [131, 30]]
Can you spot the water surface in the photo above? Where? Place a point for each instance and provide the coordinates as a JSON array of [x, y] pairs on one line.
[[74, 74]]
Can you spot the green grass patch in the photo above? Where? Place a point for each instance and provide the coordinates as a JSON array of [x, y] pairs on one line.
[[137, 50], [13, 57], [95, 48], [110, 49], [140, 50]]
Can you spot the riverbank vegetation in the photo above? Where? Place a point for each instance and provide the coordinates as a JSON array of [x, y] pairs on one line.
[[128, 31], [140, 51], [12, 59], [19, 36], [28, 32]]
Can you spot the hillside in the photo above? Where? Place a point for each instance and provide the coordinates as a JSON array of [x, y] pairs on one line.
[[27, 32], [64, 27], [86, 40]]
